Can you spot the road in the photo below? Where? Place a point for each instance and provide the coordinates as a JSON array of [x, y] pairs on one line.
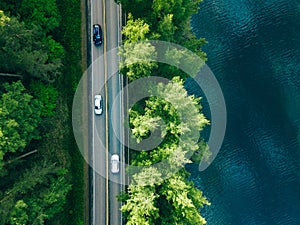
[[103, 136]]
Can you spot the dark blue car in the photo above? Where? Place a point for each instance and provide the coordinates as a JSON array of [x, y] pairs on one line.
[[97, 34]]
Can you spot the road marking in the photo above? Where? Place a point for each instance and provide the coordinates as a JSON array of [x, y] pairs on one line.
[[94, 174], [106, 110]]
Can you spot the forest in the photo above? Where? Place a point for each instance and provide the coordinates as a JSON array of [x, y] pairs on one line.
[[163, 194], [40, 64]]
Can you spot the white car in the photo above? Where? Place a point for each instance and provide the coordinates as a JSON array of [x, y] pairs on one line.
[[98, 104], [115, 160]]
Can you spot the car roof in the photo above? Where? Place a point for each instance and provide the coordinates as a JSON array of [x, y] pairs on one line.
[[115, 157]]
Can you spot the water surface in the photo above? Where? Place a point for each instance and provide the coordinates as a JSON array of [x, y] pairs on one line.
[[254, 51]]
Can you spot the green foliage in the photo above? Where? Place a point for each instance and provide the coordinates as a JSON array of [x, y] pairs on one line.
[[11, 6], [20, 116], [49, 201], [169, 112], [25, 53], [138, 59], [136, 7], [166, 192], [3, 19], [69, 34], [141, 205], [47, 96], [26, 182], [43, 14], [138, 55], [166, 28], [184, 59], [55, 49], [181, 9], [30, 48], [168, 21], [38, 195], [18, 214], [135, 30], [169, 201], [184, 208]]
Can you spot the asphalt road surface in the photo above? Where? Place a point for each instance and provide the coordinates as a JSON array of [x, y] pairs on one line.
[[105, 130]]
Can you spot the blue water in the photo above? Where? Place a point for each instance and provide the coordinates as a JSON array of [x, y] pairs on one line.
[[254, 51]]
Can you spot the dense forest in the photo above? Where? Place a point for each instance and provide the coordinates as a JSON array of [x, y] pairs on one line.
[[40, 63], [163, 195]]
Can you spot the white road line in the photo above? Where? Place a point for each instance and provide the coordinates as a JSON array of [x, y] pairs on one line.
[[93, 149]]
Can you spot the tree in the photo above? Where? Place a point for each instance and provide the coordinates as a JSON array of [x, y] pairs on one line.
[[181, 9], [184, 207], [165, 188], [138, 55], [136, 7], [37, 195], [171, 104], [140, 205], [47, 95], [135, 30], [18, 214], [28, 53], [166, 28], [138, 59], [170, 110], [26, 182], [43, 14], [48, 201], [19, 118], [185, 64], [169, 201], [3, 19]]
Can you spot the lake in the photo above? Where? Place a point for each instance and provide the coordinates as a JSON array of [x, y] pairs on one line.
[[254, 51]]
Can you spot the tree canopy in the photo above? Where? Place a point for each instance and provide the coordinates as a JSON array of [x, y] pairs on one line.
[[28, 52], [164, 191], [19, 118], [38, 194], [138, 55], [35, 169]]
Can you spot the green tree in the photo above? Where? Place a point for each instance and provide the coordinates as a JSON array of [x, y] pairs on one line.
[[181, 9], [152, 200], [19, 118], [3, 19], [184, 207], [18, 214], [165, 189], [171, 108], [48, 201], [138, 59], [138, 55], [37, 195], [140, 206], [47, 95], [27, 53], [26, 181], [135, 30], [43, 14], [180, 58], [166, 28]]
